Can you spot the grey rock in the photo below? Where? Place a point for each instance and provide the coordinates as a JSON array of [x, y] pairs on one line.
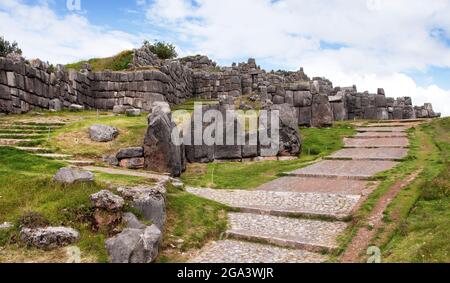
[[131, 152], [152, 204], [132, 221], [133, 112], [50, 237], [322, 114], [135, 245], [132, 163], [305, 116], [70, 175], [107, 200], [110, 160], [76, 107], [6, 226], [103, 133], [120, 109], [55, 105], [161, 153]]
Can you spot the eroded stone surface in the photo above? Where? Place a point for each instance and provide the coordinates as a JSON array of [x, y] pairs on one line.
[[315, 185], [371, 135], [283, 203], [229, 251], [382, 129], [310, 235], [371, 153], [377, 142], [353, 169]]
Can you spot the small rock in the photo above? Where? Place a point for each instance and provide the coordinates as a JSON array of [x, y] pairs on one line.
[[6, 226], [107, 200], [177, 183], [131, 152], [135, 245], [49, 238], [132, 163], [133, 112], [110, 160], [69, 176], [103, 133], [132, 221], [120, 109], [76, 107]]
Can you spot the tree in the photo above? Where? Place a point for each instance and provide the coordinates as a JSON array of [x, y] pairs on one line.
[[162, 49], [7, 48]]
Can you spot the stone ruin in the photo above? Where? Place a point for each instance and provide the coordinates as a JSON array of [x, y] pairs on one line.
[[27, 85]]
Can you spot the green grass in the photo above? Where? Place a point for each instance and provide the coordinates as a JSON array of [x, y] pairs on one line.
[[193, 220], [118, 62], [429, 152], [122, 180], [316, 143], [26, 186], [74, 138]]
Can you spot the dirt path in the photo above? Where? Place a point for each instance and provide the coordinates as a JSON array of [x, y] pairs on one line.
[[365, 235]]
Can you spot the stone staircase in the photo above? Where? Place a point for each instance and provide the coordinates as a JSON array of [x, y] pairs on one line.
[[29, 136], [298, 218]]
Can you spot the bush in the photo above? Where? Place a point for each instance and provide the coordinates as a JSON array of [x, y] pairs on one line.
[[7, 48], [162, 49]]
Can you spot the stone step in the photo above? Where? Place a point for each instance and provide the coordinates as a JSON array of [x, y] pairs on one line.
[[55, 156], [332, 206], [374, 135], [316, 185], [392, 154], [377, 142], [80, 162], [350, 169], [135, 173], [230, 251], [34, 149], [8, 142], [310, 235], [381, 129], [7, 135]]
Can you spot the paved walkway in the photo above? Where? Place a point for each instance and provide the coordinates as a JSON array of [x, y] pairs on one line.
[[299, 218]]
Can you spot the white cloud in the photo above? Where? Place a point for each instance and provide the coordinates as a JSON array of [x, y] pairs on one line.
[[43, 34], [381, 39]]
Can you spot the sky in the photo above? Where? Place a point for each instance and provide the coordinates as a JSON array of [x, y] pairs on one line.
[[402, 45]]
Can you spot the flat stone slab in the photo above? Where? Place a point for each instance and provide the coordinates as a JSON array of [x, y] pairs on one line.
[[54, 155], [377, 142], [315, 185], [351, 169], [372, 135], [370, 154], [13, 141], [229, 251], [334, 206], [310, 235], [382, 129]]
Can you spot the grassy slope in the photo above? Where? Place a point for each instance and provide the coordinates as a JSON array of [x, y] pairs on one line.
[[25, 186], [118, 62], [316, 143], [424, 154]]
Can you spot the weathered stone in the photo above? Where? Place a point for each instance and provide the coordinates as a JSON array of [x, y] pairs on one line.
[[161, 153], [103, 133], [305, 116], [133, 112], [55, 105], [110, 160], [6, 226], [132, 221], [135, 245], [302, 98], [382, 114], [152, 204], [107, 200], [49, 238], [132, 163], [131, 152], [70, 176], [339, 111], [76, 107], [120, 109], [322, 114]]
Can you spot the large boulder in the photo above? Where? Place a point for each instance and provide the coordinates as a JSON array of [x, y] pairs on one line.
[[103, 133], [227, 146], [322, 114], [162, 153], [305, 116], [339, 111], [135, 245], [289, 134], [49, 238], [70, 175]]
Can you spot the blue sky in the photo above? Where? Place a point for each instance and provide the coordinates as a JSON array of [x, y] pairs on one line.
[[402, 45]]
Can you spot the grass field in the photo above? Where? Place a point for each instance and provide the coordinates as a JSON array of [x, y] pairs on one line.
[[118, 62]]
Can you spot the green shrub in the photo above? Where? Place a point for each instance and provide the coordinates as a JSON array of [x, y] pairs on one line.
[[162, 49], [7, 48]]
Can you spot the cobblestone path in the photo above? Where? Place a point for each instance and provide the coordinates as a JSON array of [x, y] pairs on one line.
[[300, 217]]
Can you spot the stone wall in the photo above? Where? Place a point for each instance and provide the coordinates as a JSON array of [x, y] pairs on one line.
[[34, 85]]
